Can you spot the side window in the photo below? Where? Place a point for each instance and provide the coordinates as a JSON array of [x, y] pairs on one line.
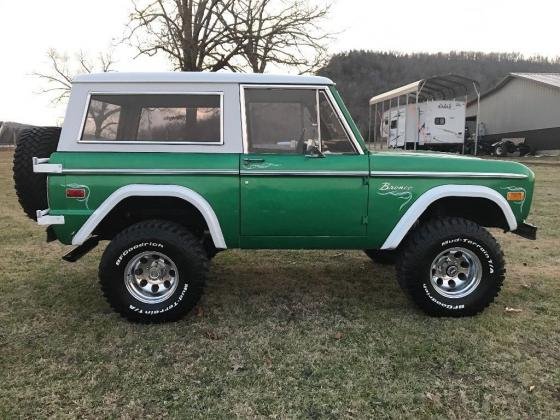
[[170, 118], [334, 138], [280, 120], [285, 120], [439, 121]]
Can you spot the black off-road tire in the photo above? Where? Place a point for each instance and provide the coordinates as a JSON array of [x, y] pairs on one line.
[[382, 256], [434, 237], [31, 188], [209, 248], [164, 238]]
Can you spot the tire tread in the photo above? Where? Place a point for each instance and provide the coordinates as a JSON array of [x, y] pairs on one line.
[[426, 234], [31, 188], [169, 231]]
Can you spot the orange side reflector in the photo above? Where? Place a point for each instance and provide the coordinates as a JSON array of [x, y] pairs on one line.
[[516, 195]]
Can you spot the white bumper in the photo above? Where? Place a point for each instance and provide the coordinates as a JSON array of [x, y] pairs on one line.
[[43, 218], [42, 166]]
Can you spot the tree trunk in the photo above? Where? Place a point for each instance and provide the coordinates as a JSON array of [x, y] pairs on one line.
[[189, 63]]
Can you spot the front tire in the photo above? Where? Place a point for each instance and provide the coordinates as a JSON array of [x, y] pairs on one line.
[[382, 256], [451, 267], [153, 271]]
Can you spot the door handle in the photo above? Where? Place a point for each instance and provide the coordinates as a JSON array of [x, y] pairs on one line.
[[252, 160]]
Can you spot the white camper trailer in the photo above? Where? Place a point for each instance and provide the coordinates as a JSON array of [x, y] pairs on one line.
[[427, 114], [434, 124]]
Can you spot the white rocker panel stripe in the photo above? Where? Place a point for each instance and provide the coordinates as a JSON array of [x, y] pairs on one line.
[[422, 203], [141, 190]]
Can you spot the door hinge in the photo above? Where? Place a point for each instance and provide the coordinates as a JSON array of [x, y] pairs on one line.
[[365, 180], [364, 220]]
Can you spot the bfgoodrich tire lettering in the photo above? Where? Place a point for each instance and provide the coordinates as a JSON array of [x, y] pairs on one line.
[[435, 239], [171, 246]]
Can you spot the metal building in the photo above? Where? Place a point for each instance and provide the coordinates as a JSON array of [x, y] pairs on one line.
[[522, 105]]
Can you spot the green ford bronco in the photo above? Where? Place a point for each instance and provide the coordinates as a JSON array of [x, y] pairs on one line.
[[172, 168]]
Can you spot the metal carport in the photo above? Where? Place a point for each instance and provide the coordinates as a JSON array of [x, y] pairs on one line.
[[449, 86]]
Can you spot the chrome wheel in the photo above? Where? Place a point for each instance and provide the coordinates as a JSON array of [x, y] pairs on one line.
[[151, 277], [456, 272]]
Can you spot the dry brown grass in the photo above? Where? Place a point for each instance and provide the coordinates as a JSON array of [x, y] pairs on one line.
[[278, 333]]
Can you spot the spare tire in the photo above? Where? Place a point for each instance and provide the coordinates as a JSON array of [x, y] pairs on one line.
[[31, 188]]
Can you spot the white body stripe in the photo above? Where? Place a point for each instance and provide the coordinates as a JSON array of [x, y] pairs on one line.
[[303, 173], [436, 174], [422, 203], [42, 166], [141, 190], [148, 171]]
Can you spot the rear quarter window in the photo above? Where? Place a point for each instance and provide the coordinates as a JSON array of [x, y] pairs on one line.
[[154, 118]]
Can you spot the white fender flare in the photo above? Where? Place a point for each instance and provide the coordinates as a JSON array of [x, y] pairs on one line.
[[146, 190], [422, 203]]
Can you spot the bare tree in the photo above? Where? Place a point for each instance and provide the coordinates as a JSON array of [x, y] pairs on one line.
[[196, 35], [58, 81], [213, 35], [284, 33], [63, 68]]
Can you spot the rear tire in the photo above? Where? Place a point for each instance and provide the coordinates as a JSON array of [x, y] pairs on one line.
[[31, 188], [451, 267], [153, 271]]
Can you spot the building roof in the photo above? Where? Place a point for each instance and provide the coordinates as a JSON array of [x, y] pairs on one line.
[[551, 79], [446, 86], [548, 79], [200, 77]]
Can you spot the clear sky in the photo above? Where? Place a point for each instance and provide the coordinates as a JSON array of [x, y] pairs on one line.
[[28, 28]]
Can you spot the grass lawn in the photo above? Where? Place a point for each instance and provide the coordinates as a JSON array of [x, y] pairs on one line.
[[279, 334]]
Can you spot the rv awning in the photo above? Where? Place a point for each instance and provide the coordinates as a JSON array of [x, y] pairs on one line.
[[448, 86]]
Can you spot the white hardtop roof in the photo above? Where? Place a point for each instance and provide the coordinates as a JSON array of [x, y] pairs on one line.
[[201, 77]]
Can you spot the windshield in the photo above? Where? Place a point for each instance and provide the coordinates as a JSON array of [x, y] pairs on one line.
[[349, 119]]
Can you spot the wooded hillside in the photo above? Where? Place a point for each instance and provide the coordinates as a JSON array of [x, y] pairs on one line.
[[359, 75]]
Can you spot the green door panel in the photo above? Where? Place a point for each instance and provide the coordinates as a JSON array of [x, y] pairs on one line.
[[298, 196]]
